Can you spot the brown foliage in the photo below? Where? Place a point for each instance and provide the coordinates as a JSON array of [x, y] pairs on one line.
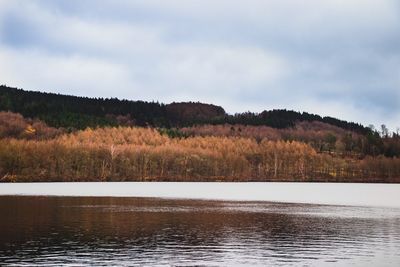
[[190, 111], [16, 126], [321, 136], [143, 154]]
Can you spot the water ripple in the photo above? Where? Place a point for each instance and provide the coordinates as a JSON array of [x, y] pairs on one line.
[[56, 231]]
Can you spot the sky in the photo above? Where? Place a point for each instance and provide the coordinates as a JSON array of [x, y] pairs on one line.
[[337, 58]]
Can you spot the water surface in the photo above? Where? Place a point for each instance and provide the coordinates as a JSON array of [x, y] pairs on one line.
[[385, 195], [100, 231]]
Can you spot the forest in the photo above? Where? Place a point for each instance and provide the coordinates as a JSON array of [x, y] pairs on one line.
[[143, 154], [50, 137], [72, 112]]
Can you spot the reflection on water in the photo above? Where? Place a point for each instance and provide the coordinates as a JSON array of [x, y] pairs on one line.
[[139, 231]]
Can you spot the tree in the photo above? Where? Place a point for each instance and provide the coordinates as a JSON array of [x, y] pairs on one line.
[[330, 139], [384, 131]]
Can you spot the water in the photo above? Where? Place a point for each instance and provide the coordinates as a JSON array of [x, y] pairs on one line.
[[384, 195], [120, 231]]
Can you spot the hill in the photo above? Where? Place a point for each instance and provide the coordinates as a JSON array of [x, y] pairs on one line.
[[53, 137], [81, 112]]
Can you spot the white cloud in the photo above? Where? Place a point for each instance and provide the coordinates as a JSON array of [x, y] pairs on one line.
[[72, 75], [221, 68], [149, 62]]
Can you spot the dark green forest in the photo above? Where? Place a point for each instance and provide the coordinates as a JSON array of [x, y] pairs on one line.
[[74, 112]]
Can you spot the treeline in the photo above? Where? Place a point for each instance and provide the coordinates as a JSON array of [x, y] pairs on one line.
[[282, 118], [143, 154], [73, 112], [81, 112], [321, 136]]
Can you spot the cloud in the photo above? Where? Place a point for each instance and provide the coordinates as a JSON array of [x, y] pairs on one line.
[[63, 74], [334, 57]]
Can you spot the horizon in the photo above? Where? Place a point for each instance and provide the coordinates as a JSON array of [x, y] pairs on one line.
[[331, 58]]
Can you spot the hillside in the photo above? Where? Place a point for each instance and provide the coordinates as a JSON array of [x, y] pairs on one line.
[[51, 137], [81, 112]]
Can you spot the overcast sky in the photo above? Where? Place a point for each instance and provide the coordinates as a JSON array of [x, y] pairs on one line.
[[333, 57]]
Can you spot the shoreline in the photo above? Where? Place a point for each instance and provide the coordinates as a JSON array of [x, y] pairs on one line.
[[352, 194]]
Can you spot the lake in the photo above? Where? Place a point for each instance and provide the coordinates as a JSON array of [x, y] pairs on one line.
[[144, 231]]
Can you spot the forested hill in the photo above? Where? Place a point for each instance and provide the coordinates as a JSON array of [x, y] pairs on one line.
[[81, 112], [41, 140]]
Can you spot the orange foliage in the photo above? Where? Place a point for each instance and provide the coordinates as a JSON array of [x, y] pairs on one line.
[[143, 154], [313, 133]]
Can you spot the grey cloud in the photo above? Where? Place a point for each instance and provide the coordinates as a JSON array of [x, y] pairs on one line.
[[340, 58]]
